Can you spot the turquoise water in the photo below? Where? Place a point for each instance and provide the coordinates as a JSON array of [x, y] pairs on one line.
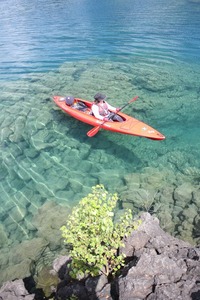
[[120, 48]]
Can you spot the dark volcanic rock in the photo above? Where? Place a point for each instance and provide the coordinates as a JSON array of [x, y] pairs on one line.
[[167, 268]]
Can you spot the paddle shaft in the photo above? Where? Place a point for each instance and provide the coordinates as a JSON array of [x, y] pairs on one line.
[[96, 129], [132, 100]]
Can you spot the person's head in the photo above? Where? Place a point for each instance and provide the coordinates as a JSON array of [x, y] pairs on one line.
[[69, 100], [99, 97]]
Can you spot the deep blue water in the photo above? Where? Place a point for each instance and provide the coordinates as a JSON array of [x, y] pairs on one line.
[[38, 36], [122, 48]]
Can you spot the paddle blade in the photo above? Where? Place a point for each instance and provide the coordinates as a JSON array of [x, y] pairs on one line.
[[132, 100], [93, 131]]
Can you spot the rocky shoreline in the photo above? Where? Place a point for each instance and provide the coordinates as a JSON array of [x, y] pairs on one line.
[[159, 266]]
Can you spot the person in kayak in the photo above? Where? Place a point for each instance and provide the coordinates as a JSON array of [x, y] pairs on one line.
[[104, 111]]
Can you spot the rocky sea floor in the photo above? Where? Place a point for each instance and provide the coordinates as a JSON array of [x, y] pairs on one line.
[[48, 163]]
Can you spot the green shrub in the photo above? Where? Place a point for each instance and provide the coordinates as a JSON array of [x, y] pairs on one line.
[[94, 236]]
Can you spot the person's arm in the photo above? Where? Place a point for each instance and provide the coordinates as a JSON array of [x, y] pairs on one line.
[[112, 108], [95, 111]]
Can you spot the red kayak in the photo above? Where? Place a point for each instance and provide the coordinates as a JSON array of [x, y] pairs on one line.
[[130, 125]]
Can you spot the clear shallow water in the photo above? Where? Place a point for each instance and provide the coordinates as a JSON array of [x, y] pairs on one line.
[[122, 48]]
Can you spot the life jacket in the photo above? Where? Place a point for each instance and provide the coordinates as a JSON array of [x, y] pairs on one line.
[[103, 109]]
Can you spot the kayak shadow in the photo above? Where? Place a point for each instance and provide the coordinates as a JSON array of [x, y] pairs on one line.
[[112, 146], [112, 143]]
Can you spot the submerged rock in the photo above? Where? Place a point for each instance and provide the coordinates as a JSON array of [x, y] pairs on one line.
[[20, 259], [3, 236], [47, 281]]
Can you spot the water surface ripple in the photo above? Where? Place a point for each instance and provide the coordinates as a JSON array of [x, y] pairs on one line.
[[41, 35]]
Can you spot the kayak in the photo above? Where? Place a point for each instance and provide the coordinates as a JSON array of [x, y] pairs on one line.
[[129, 126]]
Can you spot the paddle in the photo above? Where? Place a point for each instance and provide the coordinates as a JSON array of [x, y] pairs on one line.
[[96, 129]]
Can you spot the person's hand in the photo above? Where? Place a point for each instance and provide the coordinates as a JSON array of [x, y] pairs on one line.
[[118, 109], [105, 119]]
